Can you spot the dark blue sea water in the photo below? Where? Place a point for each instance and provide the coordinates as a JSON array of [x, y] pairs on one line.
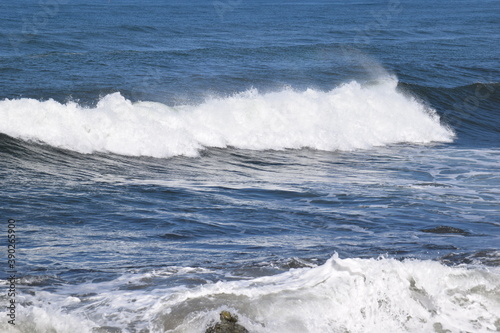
[[310, 166]]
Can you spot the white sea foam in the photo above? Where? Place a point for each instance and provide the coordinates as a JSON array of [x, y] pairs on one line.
[[351, 116], [343, 295]]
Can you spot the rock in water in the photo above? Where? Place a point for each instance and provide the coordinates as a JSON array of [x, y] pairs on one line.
[[227, 325], [106, 329]]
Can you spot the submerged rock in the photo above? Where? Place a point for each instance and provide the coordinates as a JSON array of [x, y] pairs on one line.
[[227, 325], [106, 329]]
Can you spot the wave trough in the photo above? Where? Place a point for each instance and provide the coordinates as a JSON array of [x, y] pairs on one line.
[[349, 117]]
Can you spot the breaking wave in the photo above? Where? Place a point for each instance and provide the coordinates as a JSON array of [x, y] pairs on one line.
[[351, 116], [342, 295]]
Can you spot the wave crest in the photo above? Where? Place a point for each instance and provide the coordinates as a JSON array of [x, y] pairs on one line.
[[351, 116]]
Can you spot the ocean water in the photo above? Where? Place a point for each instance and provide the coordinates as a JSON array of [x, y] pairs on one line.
[[310, 166]]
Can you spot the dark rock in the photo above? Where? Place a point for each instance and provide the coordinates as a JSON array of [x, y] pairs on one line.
[[228, 324], [443, 229]]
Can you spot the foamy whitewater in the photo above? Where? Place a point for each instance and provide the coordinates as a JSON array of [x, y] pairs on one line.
[[342, 295], [352, 116]]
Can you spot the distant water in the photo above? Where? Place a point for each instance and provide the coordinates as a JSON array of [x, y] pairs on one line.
[[314, 166]]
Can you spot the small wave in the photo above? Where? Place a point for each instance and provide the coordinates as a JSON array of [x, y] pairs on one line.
[[342, 295], [137, 28], [351, 116]]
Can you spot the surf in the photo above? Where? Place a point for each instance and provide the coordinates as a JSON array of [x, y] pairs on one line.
[[341, 295], [349, 117]]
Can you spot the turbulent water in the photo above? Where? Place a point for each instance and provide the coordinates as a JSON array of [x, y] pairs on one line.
[[314, 166]]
